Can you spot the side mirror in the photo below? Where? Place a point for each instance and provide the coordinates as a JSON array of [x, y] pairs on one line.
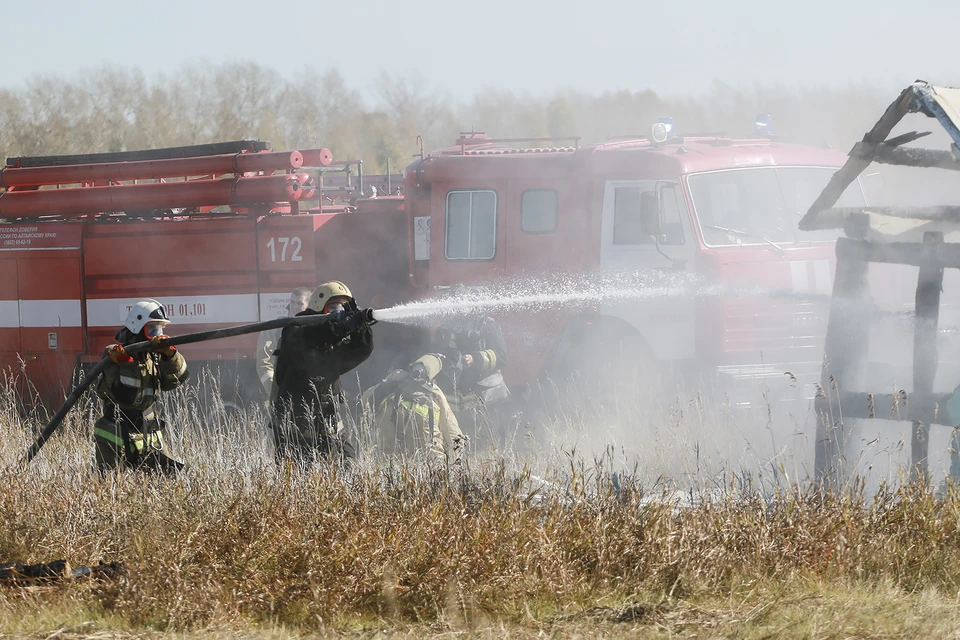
[[650, 213]]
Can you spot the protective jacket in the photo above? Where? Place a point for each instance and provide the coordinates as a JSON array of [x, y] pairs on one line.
[[307, 392], [482, 338], [130, 432], [412, 415]]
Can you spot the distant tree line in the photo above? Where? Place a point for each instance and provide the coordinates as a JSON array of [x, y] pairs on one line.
[[117, 108]]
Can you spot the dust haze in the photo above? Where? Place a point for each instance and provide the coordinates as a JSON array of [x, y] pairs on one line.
[[685, 430]]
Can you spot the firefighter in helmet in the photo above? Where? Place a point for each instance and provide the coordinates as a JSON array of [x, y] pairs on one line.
[[129, 434], [411, 414], [474, 351], [267, 340], [307, 394]]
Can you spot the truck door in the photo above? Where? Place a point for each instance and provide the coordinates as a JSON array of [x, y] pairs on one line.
[[666, 322], [466, 233]]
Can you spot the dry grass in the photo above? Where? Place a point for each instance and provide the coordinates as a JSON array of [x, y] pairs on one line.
[[552, 545]]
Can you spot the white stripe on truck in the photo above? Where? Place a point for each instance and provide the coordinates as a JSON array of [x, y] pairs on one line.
[[238, 308], [39, 313], [50, 313], [9, 314]]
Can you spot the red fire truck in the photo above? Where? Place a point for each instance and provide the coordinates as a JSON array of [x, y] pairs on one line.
[[222, 233], [723, 210]]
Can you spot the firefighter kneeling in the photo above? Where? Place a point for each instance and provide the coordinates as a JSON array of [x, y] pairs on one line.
[[129, 433], [411, 413], [310, 360]]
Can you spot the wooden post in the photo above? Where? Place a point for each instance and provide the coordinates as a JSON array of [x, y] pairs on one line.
[[925, 360], [844, 366]]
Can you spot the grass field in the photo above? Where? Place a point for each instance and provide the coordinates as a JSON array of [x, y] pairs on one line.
[[554, 544]]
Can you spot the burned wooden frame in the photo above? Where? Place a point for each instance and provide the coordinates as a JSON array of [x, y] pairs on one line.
[[847, 338]]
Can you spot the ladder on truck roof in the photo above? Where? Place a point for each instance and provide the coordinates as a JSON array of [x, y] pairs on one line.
[[242, 175], [191, 151]]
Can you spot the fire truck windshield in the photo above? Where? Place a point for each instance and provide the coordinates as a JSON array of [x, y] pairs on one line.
[[762, 205]]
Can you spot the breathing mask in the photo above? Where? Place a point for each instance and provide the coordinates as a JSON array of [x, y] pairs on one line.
[[153, 329]]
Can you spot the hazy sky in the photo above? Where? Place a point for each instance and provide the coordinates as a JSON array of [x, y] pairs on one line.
[[670, 46]]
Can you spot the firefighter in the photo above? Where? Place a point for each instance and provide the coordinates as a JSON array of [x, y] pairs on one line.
[[411, 414], [129, 435], [474, 350], [267, 341], [307, 394]]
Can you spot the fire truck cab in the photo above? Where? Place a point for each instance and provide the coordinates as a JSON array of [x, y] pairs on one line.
[[718, 212]]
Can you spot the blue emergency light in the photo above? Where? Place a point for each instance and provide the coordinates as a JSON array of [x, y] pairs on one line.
[[667, 122], [762, 125]]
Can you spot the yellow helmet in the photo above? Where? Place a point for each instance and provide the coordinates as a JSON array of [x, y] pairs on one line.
[[327, 291]]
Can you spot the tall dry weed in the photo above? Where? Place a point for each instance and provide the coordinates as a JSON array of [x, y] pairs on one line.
[[237, 542]]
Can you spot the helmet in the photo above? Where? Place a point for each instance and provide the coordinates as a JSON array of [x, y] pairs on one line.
[[143, 312], [322, 295]]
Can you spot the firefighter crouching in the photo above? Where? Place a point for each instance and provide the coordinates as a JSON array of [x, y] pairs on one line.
[[475, 351], [129, 435], [410, 413], [307, 393], [267, 341]]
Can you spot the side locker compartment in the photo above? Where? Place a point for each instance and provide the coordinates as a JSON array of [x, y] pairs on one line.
[[10, 343], [40, 310], [51, 325], [203, 271], [285, 260]]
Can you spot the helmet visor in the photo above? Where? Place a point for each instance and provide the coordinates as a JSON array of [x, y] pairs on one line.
[[335, 304], [153, 329]]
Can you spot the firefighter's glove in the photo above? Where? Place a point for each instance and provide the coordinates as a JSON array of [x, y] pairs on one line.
[[347, 322], [162, 349], [118, 354]]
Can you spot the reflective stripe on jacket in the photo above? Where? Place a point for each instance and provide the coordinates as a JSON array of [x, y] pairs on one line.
[[133, 386]]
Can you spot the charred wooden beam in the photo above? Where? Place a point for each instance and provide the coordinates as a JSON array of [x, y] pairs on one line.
[[855, 164], [839, 217], [936, 256], [925, 360], [844, 366], [884, 153], [905, 138]]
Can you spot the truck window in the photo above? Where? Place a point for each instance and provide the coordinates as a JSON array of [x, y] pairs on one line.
[[538, 211], [626, 216], [757, 205], [471, 229]]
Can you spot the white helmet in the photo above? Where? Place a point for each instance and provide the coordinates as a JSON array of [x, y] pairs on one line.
[[143, 312]]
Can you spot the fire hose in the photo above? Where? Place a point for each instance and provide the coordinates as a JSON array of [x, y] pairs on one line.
[[344, 322]]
